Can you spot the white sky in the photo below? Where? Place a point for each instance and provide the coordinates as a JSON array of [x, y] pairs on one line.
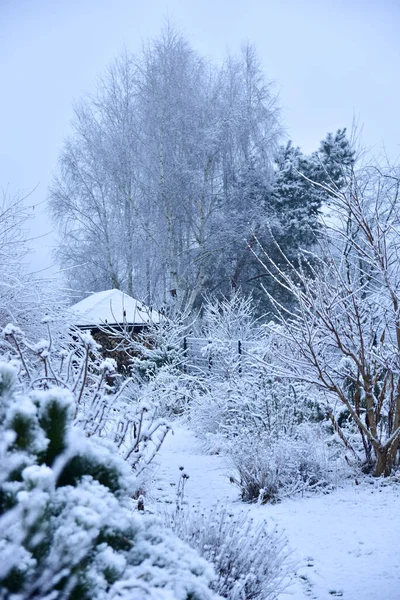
[[332, 60]]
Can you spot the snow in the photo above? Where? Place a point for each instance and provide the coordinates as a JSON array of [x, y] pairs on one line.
[[112, 307], [12, 329], [40, 476], [345, 543]]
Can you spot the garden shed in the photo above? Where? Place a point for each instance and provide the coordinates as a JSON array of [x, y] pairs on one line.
[[113, 308], [109, 315]]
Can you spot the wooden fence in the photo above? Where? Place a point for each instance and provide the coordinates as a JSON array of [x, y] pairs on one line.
[[213, 356]]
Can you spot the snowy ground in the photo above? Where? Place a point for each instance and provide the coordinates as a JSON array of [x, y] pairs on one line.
[[346, 544]]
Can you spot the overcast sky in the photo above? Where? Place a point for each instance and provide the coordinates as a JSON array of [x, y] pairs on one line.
[[331, 61]]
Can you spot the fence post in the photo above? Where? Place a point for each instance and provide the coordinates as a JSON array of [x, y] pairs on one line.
[[184, 353], [240, 356], [210, 362]]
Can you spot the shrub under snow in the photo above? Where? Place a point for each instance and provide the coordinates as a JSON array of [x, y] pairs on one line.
[[105, 407], [250, 560], [278, 467], [271, 429], [66, 528]]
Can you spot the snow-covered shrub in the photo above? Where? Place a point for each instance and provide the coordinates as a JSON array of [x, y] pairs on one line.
[[250, 404], [106, 405], [240, 395], [158, 347], [66, 526], [250, 560], [228, 327], [170, 391], [272, 430], [157, 364], [267, 469], [229, 319]]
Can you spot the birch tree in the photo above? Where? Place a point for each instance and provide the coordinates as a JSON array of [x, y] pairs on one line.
[[149, 177], [23, 297], [93, 198]]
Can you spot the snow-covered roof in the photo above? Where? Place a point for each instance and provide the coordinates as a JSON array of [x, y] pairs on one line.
[[112, 307]]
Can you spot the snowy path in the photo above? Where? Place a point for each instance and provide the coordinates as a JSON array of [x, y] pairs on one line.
[[208, 482], [347, 543]]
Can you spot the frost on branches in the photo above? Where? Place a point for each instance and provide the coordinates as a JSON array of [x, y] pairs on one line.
[[22, 295], [65, 525], [250, 560], [343, 336], [270, 428], [158, 363], [105, 406]]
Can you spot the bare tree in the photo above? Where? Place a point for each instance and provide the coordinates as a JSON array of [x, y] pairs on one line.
[[20, 294], [94, 197], [344, 335], [148, 178]]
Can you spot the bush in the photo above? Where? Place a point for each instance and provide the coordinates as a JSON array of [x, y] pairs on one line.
[[283, 466], [271, 429], [106, 404], [157, 364], [250, 560], [65, 528]]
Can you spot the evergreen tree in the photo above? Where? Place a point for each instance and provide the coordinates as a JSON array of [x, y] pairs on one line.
[[297, 196], [279, 214], [294, 200], [334, 161]]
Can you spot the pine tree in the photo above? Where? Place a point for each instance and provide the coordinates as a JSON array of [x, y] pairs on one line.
[[295, 200], [334, 161], [297, 196]]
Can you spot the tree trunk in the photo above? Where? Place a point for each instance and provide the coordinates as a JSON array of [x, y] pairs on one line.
[[392, 454], [385, 460], [381, 466]]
